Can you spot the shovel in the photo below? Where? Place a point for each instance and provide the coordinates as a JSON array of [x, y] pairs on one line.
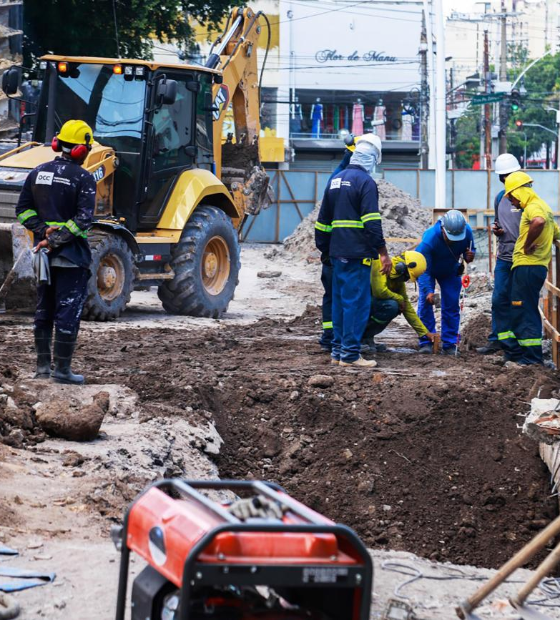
[[518, 601], [521, 558]]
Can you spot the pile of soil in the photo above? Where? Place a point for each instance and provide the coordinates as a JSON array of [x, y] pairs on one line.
[[476, 331], [403, 217], [423, 455]]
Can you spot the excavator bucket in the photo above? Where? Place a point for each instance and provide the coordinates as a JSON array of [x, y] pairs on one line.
[[17, 280]]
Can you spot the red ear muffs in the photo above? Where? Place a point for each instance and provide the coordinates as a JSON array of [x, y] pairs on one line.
[[55, 145], [79, 152]]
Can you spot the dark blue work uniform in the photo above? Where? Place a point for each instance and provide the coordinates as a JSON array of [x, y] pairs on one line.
[[444, 260], [327, 275], [348, 230], [60, 193]]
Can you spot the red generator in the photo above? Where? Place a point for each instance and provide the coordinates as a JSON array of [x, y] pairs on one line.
[[265, 556]]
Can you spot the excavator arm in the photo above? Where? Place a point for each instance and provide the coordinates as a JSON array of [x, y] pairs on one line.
[[238, 160]]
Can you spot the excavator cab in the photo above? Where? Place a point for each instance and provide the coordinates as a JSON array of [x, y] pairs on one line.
[[167, 212]]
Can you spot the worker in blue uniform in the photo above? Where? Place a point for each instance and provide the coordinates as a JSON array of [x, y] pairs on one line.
[[447, 245], [57, 204], [349, 232], [326, 266]]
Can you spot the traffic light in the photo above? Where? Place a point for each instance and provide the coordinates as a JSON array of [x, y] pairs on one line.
[[519, 124], [515, 99]]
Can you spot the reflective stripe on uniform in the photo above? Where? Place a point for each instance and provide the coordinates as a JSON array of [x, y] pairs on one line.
[[327, 325], [531, 342], [75, 229], [505, 335], [370, 216], [23, 217], [347, 224], [55, 223], [323, 227]]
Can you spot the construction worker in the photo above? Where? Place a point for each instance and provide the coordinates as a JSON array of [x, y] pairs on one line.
[[506, 229], [389, 297], [447, 245], [531, 256], [349, 232], [57, 203], [326, 267]]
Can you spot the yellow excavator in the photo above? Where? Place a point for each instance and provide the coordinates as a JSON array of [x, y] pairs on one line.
[[172, 195]]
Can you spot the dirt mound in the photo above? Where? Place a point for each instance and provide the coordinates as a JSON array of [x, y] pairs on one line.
[[476, 331], [423, 455], [403, 217]]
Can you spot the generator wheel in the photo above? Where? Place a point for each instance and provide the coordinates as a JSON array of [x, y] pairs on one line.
[[112, 277], [206, 265]]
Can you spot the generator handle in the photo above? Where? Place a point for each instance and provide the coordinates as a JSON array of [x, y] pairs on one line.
[[278, 528]]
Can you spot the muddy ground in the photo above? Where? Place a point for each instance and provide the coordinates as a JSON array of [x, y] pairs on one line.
[[422, 455]]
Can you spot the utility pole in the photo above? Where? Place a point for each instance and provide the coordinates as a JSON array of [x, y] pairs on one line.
[[441, 109], [503, 78], [453, 130], [424, 98], [487, 107]]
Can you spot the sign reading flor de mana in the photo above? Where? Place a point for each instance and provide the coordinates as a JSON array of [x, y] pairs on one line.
[[371, 56]]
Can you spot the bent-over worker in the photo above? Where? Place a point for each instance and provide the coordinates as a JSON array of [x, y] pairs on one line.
[[57, 204], [349, 232], [389, 297], [445, 245]]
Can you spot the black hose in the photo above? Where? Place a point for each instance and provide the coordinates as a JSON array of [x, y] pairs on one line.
[[265, 54]]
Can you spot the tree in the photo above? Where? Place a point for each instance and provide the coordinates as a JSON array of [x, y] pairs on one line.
[[87, 27]]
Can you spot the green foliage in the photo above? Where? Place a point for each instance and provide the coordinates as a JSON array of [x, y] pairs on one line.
[[542, 83], [87, 27], [543, 90]]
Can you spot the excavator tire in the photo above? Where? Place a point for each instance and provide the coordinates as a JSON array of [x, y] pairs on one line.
[[112, 277], [206, 265]]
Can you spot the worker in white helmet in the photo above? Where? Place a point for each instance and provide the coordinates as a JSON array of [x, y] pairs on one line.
[[506, 228]]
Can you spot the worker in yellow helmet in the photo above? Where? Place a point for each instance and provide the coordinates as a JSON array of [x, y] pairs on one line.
[[390, 298], [531, 256], [56, 203]]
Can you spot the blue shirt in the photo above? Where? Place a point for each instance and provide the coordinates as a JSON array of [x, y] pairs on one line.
[[443, 257]]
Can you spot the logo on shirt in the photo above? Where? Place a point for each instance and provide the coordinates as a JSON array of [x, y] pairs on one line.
[[44, 178], [335, 183]]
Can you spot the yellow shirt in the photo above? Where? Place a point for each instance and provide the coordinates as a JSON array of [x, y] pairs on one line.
[[533, 207]]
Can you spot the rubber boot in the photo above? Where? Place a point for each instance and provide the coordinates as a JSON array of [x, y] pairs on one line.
[[64, 345], [43, 339]]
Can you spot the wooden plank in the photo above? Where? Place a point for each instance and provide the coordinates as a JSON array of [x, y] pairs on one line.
[[551, 287]]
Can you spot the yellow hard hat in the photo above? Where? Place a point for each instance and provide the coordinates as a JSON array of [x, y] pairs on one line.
[[516, 180], [76, 132], [415, 263]]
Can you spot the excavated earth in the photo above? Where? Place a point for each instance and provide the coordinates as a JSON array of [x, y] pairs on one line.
[[425, 454]]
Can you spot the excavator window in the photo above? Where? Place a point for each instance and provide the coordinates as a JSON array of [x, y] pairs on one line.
[[173, 128]]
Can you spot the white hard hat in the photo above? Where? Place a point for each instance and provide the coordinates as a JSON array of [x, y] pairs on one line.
[[506, 164], [374, 140]]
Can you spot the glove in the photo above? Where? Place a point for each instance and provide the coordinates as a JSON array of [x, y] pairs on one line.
[[257, 507]]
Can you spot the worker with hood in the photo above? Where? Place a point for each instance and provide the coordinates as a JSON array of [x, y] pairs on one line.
[[389, 297], [325, 341], [506, 228], [349, 232], [447, 245], [531, 256]]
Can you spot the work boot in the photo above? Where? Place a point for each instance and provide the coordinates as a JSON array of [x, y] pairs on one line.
[[334, 361], [360, 363], [450, 351], [64, 345], [426, 349], [368, 345], [490, 348], [43, 338]]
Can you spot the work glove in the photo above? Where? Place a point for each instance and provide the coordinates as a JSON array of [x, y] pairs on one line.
[[257, 507]]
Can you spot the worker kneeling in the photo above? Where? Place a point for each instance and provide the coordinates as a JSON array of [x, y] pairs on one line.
[[390, 298]]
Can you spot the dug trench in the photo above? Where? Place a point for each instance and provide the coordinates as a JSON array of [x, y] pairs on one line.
[[424, 454]]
